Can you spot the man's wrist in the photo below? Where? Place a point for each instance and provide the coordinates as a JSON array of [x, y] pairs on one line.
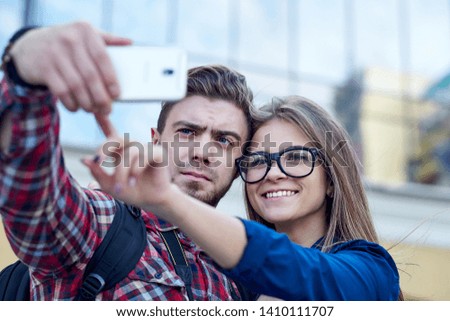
[[8, 66]]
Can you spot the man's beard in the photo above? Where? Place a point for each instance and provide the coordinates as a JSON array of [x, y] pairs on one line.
[[211, 197]]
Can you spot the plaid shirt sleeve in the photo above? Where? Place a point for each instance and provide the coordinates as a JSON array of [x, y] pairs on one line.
[[51, 223]]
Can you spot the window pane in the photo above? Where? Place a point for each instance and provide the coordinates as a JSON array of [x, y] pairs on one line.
[[11, 19], [50, 12]]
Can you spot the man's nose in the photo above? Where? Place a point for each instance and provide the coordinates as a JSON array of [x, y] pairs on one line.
[[200, 150]]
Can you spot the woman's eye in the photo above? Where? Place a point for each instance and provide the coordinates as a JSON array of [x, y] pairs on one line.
[[295, 157], [256, 161]]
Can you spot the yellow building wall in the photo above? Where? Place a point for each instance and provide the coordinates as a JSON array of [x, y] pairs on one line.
[[384, 139], [389, 126], [7, 256], [424, 271]]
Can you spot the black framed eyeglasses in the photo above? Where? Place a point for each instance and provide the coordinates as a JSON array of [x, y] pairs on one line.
[[295, 161]]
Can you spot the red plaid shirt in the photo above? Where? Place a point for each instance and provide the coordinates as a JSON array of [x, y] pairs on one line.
[[54, 225]]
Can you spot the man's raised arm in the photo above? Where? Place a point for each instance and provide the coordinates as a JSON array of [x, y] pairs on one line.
[[48, 219]]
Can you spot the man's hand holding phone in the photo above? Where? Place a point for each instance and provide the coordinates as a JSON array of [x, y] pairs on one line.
[[88, 69], [72, 61]]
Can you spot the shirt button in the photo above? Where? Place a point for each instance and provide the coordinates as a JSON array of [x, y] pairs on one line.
[[158, 275]]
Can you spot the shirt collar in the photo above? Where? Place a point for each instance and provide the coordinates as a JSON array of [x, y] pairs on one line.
[[159, 224], [319, 243]]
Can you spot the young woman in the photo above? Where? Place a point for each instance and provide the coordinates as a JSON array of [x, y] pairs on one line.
[[313, 238]]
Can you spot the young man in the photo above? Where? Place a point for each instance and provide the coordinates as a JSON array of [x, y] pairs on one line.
[[53, 224]]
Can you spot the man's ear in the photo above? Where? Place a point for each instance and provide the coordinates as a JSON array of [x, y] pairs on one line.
[[156, 137]]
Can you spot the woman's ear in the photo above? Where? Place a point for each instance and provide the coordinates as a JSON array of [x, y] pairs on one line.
[[330, 189]]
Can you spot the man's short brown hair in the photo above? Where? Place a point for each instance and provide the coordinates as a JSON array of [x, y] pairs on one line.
[[214, 82]]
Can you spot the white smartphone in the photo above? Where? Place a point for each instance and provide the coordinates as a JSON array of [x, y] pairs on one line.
[[149, 73]]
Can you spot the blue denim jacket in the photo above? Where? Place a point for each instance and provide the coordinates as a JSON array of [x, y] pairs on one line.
[[353, 270]]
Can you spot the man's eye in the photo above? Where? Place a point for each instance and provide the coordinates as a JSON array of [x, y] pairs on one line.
[[224, 141], [186, 131]]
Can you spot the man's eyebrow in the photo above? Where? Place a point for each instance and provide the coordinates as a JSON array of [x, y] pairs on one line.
[[217, 132], [183, 123], [201, 129]]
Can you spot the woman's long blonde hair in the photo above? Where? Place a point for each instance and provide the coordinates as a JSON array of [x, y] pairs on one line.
[[348, 214]]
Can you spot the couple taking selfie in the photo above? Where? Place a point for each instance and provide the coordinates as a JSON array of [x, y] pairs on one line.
[[309, 233]]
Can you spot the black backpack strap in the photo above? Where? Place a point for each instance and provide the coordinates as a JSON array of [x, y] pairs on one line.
[[15, 282], [179, 260], [118, 253]]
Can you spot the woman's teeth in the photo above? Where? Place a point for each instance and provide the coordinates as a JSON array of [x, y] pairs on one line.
[[279, 194]]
